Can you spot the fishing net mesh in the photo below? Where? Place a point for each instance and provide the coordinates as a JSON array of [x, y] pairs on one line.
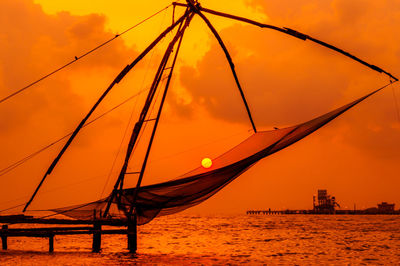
[[200, 184]]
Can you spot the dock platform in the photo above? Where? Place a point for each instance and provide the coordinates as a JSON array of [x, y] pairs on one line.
[[94, 229]]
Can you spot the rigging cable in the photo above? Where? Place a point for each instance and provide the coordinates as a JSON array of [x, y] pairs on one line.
[[138, 125], [16, 206], [51, 215], [150, 162], [288, 31], [395, 102], [178, 38], [45, 192], [118, 79], [145, 123], [21, 161], [80, 57], [131, 116], [13, 207], [196, 7]]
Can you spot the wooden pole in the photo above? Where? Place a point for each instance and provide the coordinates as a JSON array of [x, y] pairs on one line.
[[96, 247], [139, 123], [138, 127], [4, 237], [51, 243], [120, 76], [132, 234], [288, 31], [168, 52], [196, 7]]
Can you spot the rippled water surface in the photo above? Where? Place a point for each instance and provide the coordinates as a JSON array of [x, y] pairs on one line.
[[183, 239]]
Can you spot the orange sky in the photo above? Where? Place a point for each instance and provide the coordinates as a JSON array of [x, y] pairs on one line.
[[286, 81]]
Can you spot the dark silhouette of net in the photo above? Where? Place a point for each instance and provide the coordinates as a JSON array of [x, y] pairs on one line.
[[200, 184]]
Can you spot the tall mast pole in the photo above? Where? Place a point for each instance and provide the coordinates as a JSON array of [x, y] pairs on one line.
[[180, 37], [133, 211], [138, 126], [120, 76]]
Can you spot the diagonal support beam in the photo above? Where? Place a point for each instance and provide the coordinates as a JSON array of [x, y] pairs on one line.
[[120, 76], [138, 126], [179, 36], [292, 33], [196, 7]]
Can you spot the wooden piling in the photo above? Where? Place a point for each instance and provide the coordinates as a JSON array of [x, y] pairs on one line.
[[132, 235], [96, 246], [51, 243], [4, 237]]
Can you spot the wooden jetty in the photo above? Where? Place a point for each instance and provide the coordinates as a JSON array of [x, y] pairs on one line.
[[326, 204], [337, 212], [88, 227], [277, 212]]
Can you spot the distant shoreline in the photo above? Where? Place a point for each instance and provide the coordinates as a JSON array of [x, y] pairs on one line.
[[336, 212]]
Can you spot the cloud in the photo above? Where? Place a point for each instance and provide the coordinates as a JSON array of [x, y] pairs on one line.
[[288, 81], [34, 43]]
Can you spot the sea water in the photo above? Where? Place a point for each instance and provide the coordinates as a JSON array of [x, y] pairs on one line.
[[235, 239]]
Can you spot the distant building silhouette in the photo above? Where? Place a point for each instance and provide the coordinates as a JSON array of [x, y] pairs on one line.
[[326, 204], [385, 207]]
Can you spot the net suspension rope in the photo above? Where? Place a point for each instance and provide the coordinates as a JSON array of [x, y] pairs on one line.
[[119, 77], [179, 37], [132, 113], [168, 77], [396, 105], [77, 58], [138, 126]]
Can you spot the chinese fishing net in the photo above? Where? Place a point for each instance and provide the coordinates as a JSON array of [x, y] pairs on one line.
[[200, 184]]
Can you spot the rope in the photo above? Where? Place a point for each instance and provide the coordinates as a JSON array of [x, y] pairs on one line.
[[16, 164], [80, 57], [21, 161], [395, 102], [54, 214], [14, 207], [149, 115], [46, 192], [131, 116], [150, 162], [193, 148]]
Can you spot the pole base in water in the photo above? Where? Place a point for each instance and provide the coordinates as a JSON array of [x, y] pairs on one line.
[[132, 235]]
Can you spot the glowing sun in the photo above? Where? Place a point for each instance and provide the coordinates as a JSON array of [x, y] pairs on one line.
[[206, 162]]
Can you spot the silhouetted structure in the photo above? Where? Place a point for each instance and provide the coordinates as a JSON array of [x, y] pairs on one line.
[[137, 205], [326, 203], [385, 207]]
